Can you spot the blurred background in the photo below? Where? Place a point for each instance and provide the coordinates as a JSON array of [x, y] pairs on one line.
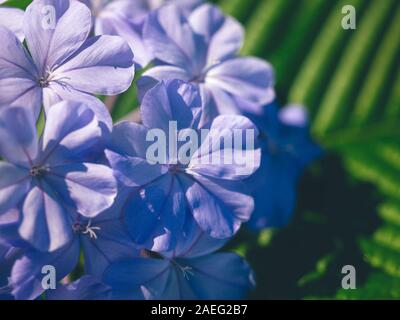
[[348, 210]]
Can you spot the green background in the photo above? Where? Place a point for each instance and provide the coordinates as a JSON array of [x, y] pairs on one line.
[[348, 210]]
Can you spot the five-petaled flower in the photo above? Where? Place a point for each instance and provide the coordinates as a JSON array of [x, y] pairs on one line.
[[164, 193], [125, 18], [63, 63], [193, 270], [101, 240], [203, 49], [43, 181]]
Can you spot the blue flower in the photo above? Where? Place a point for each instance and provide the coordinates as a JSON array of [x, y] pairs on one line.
[[125, 18], [102, 240], [63, 61], [40, 182], [162, 195], [287, 149], [191, 271], [203, 49]]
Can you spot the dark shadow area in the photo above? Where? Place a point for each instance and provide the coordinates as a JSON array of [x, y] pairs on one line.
[[333, 213]]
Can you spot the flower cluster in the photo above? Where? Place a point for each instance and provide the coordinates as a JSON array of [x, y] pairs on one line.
[[137, 211]]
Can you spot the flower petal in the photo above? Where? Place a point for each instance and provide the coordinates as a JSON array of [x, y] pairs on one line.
[[228, 151], [111, 243], [172, 100], [15, 62], [108, 59], [168, 35], [18, 140], [46, 224], [133, 171], [18, 74], [229, 278], [90, 188], [72, 133], [14, 185], [54, 30], [194, 242], [158, 73], [56, 93], [27, 276], [249, 78], [224, 34], [218, 206], [21, 92], [9, 224], [113, 21], [85, 288], [12, 18], [8, 256], [138, 278], [156, 214], [274, 192], [129, 138]]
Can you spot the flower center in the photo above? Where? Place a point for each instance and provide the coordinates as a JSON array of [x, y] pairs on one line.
[[186, 270], [37, 171], [43, 82], [175, 168], [201, 78], [79, 227]]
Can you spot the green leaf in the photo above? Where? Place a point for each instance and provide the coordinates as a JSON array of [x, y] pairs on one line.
[[349, 80], [379, 286], [322, 57], [22, 4], [378, 77], [336, 102], [261, 27]]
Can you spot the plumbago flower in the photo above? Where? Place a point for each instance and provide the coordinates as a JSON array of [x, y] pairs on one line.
[[191, 271], [183, 184], [287, 149], [125, 18], [202, 49], [12, 18], [102, 240], [63, 61], [44, 180]]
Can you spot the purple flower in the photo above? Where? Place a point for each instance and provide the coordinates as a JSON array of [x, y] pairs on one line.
[[202, 49], [191, 271], [102, 240], [40, 182], [12, 18], [164, 193], [287, 149], [125, 18], [64, 64], [85, 288]]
